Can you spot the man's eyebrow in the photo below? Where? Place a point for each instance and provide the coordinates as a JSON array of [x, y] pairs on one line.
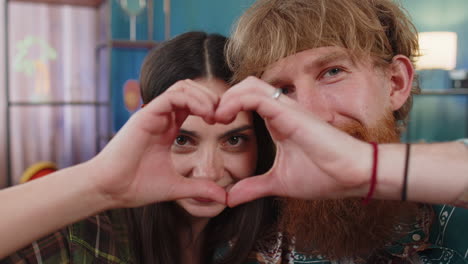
[[274, 81], [236, 130], [271, 81], [324, 60]]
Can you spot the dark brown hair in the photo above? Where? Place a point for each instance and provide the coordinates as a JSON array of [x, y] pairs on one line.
[[155, 228]]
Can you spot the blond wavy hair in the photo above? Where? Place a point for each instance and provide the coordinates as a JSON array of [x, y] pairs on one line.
[[274, 29]]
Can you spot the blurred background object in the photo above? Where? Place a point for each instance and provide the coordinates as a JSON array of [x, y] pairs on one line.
[[38, 170], [438, 50], [53, 104], [133, 8], [440, 113]]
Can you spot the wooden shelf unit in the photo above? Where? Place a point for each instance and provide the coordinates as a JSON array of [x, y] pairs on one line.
[[88, 3], [451, 91]]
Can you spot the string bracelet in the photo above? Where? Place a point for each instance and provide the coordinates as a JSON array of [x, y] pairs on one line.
[[373, 182], [404, 189]]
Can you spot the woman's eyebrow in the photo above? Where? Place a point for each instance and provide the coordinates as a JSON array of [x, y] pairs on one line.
[[236, 130], [188, 132]]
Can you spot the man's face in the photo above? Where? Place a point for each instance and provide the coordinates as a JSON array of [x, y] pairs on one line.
[[358, 98], [328, 83]]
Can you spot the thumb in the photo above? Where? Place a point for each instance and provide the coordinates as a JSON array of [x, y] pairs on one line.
[[250, 189], [190, 188]]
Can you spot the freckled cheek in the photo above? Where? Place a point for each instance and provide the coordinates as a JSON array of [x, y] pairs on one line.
[[183, 163], [349, 104], [240, 166]]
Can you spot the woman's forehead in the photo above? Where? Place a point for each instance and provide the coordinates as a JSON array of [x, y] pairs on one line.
[[198, 125], [214, 84]]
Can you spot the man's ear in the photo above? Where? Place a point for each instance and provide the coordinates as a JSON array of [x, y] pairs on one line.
[[401, 74]]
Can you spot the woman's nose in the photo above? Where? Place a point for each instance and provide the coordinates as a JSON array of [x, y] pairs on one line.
[[209, 165]]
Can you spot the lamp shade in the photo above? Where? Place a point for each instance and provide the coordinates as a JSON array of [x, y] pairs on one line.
[[438, 50]]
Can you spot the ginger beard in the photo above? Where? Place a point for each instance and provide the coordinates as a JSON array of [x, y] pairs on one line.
[[346, 228]]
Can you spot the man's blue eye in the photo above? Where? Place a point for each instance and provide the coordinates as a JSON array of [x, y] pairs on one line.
[[334, 71], [287, 89]]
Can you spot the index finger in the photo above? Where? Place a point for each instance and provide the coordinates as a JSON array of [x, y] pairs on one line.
[[252, 94], [251, 188]]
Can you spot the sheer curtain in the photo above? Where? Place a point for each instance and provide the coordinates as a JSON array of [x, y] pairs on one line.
[[53, 94], [3, 173]]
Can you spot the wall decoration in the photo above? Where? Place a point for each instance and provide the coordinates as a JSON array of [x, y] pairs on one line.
[[133, 8], [131, 95], [26, 61]]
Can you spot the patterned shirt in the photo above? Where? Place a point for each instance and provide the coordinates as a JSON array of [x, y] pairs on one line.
[[438, 236]]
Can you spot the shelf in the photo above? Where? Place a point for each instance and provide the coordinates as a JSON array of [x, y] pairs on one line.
[[453, 91], [57, 103], [139, 44], [89, 3]]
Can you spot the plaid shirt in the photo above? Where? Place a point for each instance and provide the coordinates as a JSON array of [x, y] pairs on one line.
[[99, 239]]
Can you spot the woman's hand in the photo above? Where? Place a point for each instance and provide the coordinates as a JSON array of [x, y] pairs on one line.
[[136, 168]]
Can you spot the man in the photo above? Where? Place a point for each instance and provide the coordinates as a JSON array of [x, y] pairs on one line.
[[349, 63]]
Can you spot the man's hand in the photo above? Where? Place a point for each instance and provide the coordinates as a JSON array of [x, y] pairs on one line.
[[314, 160]]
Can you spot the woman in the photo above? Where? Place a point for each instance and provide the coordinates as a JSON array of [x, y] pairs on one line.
[[200, 57], [161, 154]]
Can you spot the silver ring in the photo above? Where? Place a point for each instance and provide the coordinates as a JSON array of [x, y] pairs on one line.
[[277, 93]]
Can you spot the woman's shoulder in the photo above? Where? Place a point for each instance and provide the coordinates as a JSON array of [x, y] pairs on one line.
[[53, 248], [103, 236]]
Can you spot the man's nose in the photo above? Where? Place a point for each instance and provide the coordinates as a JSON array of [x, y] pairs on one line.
[[209, 165], [315, 100]]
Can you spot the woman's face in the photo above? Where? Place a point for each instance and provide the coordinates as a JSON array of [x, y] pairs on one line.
[[220, 153]]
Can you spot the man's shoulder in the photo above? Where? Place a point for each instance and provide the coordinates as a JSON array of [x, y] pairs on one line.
[[442, 234], [449, 234], [431, 237]]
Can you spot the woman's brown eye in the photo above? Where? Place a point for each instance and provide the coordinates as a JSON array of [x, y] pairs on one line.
[[181, 140], [234, 140]]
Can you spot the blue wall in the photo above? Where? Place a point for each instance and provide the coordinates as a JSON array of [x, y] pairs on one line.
[[440, 118], [213, 16], [126, 65], [207, 15]]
